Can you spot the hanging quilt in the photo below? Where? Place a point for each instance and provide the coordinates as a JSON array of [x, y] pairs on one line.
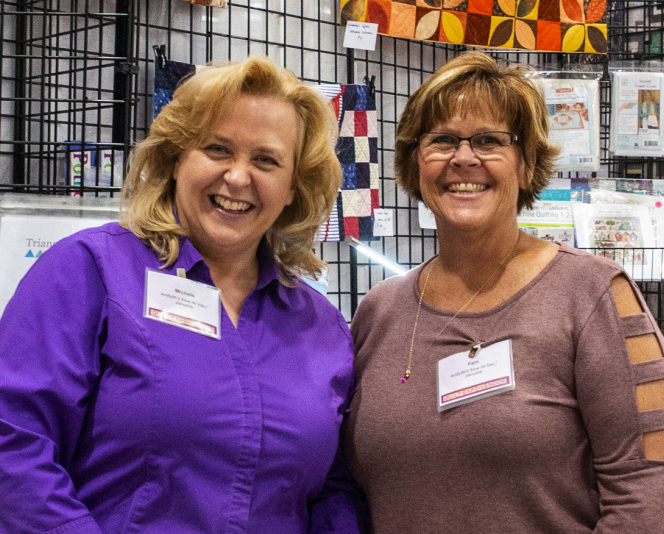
[[547, 25], [357, 150], [167, 76], [212, 3]]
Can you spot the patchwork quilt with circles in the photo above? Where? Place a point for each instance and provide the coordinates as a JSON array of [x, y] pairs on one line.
[[545, 25], [212, 3]]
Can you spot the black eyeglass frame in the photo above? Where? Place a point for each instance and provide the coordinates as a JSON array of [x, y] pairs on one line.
[[513, 138]]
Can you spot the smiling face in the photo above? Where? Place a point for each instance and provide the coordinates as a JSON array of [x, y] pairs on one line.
[[470, 193], [233, 186]]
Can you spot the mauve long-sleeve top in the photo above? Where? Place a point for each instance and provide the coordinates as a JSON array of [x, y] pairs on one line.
[[562, 453]]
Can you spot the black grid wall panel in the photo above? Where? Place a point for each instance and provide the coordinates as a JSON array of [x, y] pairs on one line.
[[78, 71], [67, 92], [8, 89]]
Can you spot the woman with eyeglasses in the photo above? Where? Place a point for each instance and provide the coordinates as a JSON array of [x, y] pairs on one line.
[[509, 384]]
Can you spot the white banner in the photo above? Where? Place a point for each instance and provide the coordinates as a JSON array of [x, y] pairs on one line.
[[23, 239]]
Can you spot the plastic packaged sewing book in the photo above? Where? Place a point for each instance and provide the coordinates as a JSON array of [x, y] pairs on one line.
[[95, 166], [636, 113], [639, 249], [620, 226], [551, 216], [572, 101]]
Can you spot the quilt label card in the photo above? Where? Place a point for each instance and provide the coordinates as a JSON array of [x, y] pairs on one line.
[[384, 222], [182, 303], [361, 35], [471, 375]]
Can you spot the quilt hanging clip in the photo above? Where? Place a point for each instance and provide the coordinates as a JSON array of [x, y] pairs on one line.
[[160, 55], [371, 82]]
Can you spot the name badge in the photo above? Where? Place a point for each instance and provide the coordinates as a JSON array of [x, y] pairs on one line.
[[475, 374], [182, 303]]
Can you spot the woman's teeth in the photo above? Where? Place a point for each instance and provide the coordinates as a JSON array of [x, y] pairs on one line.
[[230, 205], [473, 188]]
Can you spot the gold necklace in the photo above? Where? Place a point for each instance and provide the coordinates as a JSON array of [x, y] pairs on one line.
[[406, 376]]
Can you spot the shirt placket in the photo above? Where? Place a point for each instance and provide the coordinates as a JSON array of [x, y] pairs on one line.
[[252, 415]]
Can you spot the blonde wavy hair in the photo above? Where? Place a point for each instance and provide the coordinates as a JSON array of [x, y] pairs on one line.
[[148, 195], [502, 93]]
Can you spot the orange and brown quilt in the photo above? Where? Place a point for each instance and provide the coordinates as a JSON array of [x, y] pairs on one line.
[[212, 3], [546, 25]]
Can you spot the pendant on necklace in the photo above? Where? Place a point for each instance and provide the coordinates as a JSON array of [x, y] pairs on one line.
[[475, 350], [406, 376]]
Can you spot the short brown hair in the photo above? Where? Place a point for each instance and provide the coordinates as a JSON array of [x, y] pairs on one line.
[[148, 196], [502, 92]]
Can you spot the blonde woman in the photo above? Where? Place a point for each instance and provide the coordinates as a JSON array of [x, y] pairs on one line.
[[172, 373]]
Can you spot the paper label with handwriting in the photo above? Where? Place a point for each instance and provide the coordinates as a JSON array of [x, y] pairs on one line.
[[425, 217], [361, 35], [383, 222]]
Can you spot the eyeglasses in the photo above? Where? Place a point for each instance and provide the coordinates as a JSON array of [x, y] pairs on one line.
[[482, 144]]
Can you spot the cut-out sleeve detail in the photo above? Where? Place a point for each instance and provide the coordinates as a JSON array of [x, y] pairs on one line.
[[644, 349], [651, 420], [648, 371], [650, 396], [627, 297], [637, 325], [619, 348], [642, 338], [653, 444]]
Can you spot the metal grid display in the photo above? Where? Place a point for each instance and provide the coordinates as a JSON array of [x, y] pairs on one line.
[[77, 76], [65, 87]]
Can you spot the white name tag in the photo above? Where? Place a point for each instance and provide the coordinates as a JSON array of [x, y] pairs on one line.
[[182, 303], [462, 378]]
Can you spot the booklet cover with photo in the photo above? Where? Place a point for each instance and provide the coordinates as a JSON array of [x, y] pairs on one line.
[[637, 101], [551, 220], [653, 202], [573, 107]]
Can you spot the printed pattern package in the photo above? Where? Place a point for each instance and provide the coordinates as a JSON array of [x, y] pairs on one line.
[[547, 25], [622, 232], [638, 99], [573, 108]]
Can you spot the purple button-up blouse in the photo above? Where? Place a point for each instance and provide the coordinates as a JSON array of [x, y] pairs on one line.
[[111, 422]]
